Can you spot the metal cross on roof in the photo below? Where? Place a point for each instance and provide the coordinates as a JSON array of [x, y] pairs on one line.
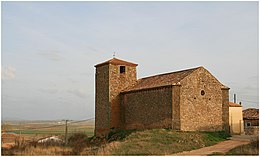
[[114, 55]]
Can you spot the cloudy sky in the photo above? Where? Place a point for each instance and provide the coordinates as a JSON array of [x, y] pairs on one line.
[[49, 49]]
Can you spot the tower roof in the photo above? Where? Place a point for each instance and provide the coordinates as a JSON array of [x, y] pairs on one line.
[[116, 61], [231, 104]]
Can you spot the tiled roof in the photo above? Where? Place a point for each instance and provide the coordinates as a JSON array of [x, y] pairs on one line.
[[160, 80], [251, 113], [116, 61], [231, 104]]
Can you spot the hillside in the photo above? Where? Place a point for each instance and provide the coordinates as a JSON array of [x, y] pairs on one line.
[[158, 142], [147, 142]]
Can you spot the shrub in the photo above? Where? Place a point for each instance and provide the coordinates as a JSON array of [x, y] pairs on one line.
[[7, 152], [118, 135], [78, 141], [217, 136]]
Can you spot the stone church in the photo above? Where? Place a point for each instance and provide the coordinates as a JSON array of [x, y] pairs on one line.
[[188, 100]]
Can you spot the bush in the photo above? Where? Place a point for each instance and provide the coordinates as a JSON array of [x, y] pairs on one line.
[[78, 141], [7, 152], [217, 136], [118, 135]]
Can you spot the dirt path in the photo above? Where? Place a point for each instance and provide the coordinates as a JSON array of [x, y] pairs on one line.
[[221, 147]]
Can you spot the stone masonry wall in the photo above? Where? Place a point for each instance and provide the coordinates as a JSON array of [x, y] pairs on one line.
[[225, 110], [148, 109], [102, 107], [252, 130], [176, 124], [200, 102], [117, 82]]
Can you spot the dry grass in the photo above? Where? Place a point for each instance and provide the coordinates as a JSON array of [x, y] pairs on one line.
[[105, 150], [148, 142], [47, 151], [76, 144], [38, 151], [32, 135]]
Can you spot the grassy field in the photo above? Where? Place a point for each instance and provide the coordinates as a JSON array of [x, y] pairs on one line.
[[38, 151], [38, 129], [148, 142], [161, 142]]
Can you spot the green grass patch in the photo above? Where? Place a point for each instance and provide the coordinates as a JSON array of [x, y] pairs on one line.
[[163, 142], [39, 132], [52, 132], [215, 137]]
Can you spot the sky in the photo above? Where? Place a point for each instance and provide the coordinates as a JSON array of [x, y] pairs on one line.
[[49, 49]]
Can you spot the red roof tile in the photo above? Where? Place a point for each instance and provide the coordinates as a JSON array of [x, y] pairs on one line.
[[160, 80], [251, 113], [231, 104], [116, 61]]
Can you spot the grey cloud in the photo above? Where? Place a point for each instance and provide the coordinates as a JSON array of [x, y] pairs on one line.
[[251, 88], [77, 92], [87, 73], [50, 90], [52, 55], [92, 49], [72, 80], [254, 77]]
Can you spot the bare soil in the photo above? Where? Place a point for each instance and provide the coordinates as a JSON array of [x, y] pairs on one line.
[[220, 148]]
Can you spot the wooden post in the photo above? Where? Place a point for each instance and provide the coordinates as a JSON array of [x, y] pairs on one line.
[[66, 132], [20, 126]]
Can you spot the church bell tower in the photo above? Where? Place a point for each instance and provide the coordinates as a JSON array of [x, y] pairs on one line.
[[112, 77]]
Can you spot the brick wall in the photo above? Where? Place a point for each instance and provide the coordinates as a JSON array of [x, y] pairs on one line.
[[198, 111], [148, 109]]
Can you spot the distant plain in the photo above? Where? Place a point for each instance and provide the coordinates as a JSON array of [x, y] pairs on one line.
[[38, 128]]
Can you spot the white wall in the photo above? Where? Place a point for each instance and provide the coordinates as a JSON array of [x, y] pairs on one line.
[[236, 120]]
